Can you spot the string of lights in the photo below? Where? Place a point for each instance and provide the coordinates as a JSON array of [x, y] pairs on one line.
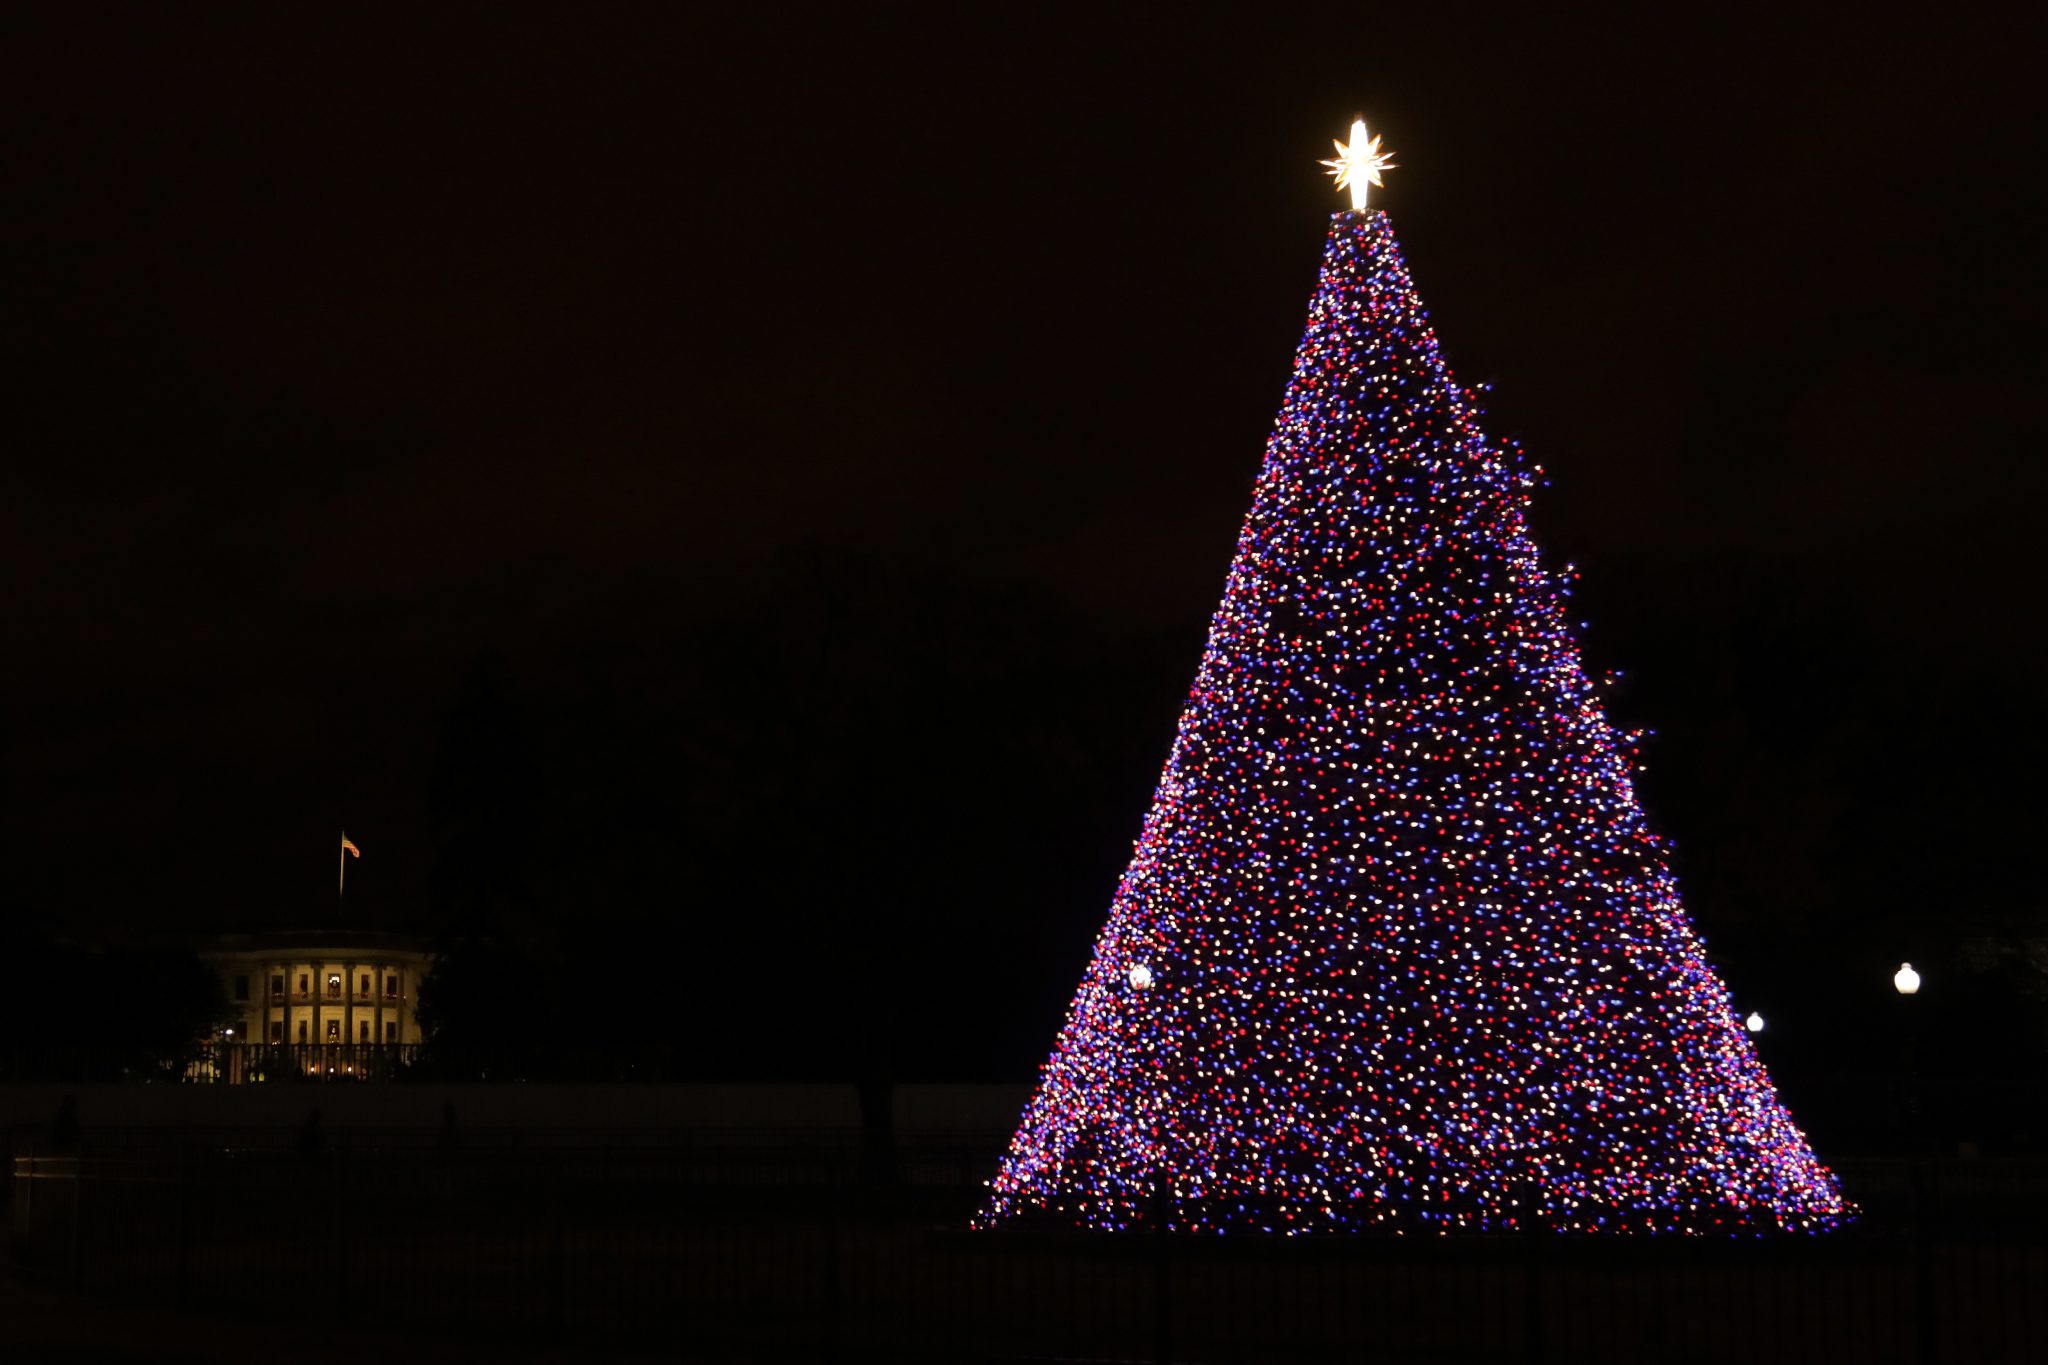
[[1397, 948]]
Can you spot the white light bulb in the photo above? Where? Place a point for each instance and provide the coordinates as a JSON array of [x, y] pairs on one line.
[[1141, 976], [1755, 1022], [1906, 980]]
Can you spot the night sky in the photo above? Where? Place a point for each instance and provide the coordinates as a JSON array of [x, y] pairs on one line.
[[747, 484]]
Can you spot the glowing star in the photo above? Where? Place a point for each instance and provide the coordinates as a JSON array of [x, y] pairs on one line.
[[1359, 163]]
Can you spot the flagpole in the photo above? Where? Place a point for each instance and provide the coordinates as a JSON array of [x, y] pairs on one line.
[[348, 850]]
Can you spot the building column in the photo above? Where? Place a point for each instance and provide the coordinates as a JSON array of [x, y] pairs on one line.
[[348, 1005], [377, 1004]]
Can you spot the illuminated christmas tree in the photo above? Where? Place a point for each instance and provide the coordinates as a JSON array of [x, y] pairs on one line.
[[1397, 947]]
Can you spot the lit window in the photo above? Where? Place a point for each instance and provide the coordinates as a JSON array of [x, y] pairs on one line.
[[334, 1030], [334, 985]]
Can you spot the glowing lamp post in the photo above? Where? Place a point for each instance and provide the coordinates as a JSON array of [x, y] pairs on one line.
[[1755, 1022], [1914, 1134]]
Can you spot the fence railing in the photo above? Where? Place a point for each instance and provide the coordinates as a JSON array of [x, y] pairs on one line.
[[753, 1246], [248, 1063]]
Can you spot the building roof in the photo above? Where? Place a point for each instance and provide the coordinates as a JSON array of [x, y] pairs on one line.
[[313, 941]]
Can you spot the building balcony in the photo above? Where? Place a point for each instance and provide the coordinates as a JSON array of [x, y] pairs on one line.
[[330, 1003]]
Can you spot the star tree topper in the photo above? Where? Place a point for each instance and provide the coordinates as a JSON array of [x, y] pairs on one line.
[[1359, 163]]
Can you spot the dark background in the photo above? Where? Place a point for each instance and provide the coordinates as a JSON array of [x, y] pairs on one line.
[[724, 502]]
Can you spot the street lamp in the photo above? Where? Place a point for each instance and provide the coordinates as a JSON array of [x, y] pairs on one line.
[[1906, 981], [1755, 1022]]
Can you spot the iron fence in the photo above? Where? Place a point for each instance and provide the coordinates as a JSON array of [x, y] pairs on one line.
[[747, 1245], [255, 1063]]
